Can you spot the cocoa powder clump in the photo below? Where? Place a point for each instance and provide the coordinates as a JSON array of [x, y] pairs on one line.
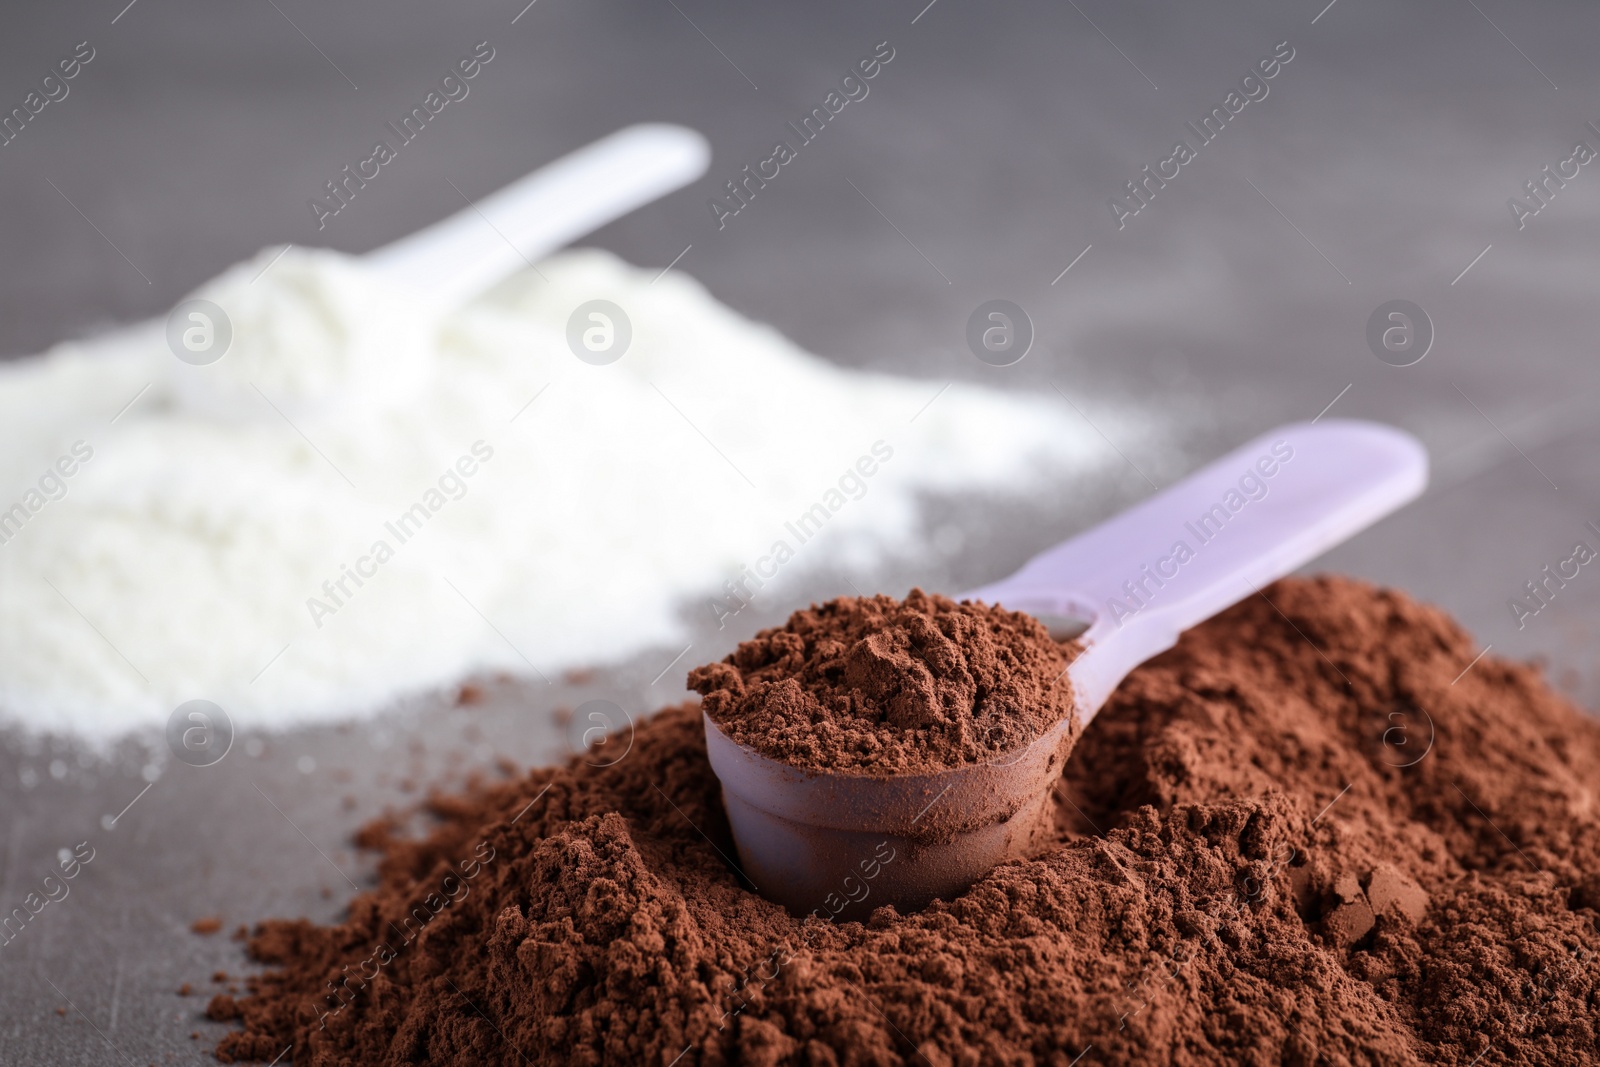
[[1303, 836], [890, 686]]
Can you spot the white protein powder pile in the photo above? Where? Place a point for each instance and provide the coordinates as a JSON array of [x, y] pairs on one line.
[[363, 499]]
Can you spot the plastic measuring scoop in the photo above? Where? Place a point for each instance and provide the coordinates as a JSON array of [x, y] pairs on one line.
[[840, 845], [458, 257], [348, 350]]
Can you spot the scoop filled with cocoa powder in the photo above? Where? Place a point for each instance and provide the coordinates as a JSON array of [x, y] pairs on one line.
[[879, 751], [882, 686], [874, 751]]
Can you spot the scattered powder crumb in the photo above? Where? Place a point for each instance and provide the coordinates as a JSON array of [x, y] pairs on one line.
[[207, 926], [1249, 866]]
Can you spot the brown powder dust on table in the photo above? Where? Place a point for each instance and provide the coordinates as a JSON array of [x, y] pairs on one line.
[[879, 685], [1292, 839]]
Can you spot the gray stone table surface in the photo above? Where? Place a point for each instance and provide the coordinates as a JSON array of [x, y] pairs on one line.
[[984, 163]]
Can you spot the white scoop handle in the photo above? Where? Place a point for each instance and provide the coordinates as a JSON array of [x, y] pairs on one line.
[[1218, 536], [484, 242]]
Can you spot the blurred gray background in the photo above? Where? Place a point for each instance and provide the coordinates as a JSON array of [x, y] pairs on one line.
[[981, 165]]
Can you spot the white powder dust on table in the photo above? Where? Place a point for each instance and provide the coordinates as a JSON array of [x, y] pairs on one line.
[[363, 500]]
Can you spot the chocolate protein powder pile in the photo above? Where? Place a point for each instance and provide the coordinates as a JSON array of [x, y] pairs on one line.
[[890, 686], [1303, 836]]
